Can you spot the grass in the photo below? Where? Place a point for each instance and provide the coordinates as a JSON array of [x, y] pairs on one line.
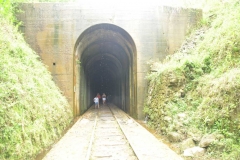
[[33, 111], [202, 83]]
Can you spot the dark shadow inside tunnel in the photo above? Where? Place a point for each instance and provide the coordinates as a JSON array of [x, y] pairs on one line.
[[105, 62]]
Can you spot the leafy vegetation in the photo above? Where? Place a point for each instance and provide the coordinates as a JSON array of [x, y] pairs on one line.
[[202, 84], [33, 112]]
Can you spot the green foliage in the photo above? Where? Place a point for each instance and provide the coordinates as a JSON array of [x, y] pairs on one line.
[[36, 1], [33, 112], [8, 8], [198, 93]]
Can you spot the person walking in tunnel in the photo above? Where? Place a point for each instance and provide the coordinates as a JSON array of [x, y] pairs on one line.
[[99, 97], [96, 101], [104, 98]]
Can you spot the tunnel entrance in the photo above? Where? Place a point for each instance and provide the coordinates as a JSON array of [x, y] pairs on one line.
[[105, 62]]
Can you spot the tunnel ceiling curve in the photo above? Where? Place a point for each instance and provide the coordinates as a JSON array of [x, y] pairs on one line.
[[107, 53]]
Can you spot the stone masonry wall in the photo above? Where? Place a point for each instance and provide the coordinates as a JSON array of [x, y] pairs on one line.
[[52, 29]]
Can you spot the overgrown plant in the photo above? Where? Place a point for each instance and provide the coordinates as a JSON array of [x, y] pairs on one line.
[[33, 111], [196, 93]]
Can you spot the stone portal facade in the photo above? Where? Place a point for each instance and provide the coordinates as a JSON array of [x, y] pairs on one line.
[[53, 30]]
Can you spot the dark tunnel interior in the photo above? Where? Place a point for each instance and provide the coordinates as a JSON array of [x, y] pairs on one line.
[[107, 65]]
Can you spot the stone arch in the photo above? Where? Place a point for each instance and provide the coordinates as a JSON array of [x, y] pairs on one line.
[[105, 61]]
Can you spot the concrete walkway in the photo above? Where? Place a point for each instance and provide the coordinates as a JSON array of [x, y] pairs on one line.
[[82, 140], [145, 145]]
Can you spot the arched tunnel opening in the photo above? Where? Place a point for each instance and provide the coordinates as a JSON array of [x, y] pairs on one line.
[[105, 62]]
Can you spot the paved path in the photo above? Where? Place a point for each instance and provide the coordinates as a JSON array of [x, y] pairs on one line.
[[109, 133]]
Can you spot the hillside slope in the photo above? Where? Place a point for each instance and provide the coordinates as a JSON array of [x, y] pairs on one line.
[[194, 95], [33, 112]]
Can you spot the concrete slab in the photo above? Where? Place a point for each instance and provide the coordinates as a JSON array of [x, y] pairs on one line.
[[93, 138], [145, 145]]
